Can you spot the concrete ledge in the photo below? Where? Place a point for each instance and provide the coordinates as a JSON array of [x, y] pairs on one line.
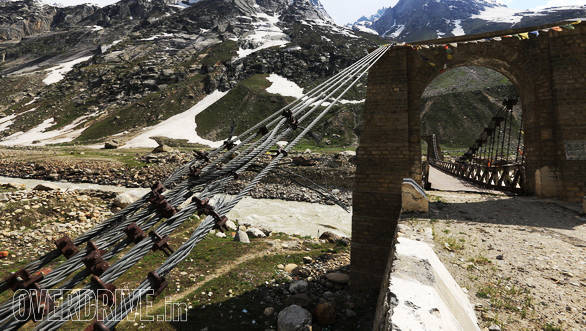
[[424, 294]]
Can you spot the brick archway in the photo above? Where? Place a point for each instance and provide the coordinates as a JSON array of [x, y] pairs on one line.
[[549, 73]]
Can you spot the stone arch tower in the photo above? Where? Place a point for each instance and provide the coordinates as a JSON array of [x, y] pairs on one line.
[[549, 72]]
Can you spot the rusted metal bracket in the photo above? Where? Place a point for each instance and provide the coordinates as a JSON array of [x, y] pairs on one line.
[[134, 233], [94, 261], [203, 207], [161, 243], [158, 283], [202, 156], [158, 200], [108, 296], [229, 144], [24, 279], [66, 246]]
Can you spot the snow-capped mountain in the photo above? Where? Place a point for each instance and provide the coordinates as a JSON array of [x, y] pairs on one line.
[[364, 23], [409, 20]]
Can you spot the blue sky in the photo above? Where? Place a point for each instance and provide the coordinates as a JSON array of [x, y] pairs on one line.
[[344, 11]]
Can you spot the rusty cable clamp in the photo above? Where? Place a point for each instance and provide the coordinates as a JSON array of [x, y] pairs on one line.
[[157, 282], [134, 233], [202, 156], [161, 243], [293, 122], [66, 246], [37, 303], [229, 144], [94, 260], [161, 204], [108, 295], [203, 207]]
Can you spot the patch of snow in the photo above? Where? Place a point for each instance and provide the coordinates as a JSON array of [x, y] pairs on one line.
[[97, 28], [33, 100], [157, 36], [499, 14], [180, 126], [458, 30], [266, 34], [283, 86], [57, 73], [362, 28], [397, 31], [38, 136], [439, 33], [6, 122], [114, 43]]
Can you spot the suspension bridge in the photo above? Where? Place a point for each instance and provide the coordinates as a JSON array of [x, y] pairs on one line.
[[389, 150]]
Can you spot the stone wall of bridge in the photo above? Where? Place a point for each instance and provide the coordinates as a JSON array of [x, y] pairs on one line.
[[549, 73]]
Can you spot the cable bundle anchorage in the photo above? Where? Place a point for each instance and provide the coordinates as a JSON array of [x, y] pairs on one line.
[[229, 144], [158, 200], [24, 279], [66, 246], [161, 243], [134, 233], [203, 207], [108, 296], [200, 155], [94, 261], [158, 283], [263, 130]]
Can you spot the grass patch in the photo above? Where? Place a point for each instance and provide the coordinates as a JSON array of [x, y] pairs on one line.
[[220, 53], [479, 260]]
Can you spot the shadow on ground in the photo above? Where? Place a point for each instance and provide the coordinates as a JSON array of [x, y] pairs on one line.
[[247, 311]]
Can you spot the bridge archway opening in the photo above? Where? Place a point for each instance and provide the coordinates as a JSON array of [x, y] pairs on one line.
[[458, 106]]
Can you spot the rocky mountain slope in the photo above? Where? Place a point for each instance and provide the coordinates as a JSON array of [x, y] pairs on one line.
[[409, 20], [137, 64]]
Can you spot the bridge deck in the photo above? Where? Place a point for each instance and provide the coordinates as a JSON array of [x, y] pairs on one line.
[[442, 181]]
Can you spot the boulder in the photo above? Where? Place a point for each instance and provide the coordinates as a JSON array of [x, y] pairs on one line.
[[220, 235], [290, 267], [163, 149], [126, 198], [255, 233], [242, 237], [330, 237], [338, 277], [111, 144], [231, 225], [414, 199], [325, 313], [294, 318], [45, 187], [298, 286]]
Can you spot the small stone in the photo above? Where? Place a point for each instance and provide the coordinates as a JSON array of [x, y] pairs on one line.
[[350, 313], [290, 267], [494, 327], [500, 257], [294, 318], [269, 311], [242, 237], [329, 236], [338, 277], [231, 225], [307, 259], [280, 266], [220, 235], [299, 286], [126, 198]]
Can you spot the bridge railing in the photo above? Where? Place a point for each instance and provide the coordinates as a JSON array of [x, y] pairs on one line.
[[503, 177]]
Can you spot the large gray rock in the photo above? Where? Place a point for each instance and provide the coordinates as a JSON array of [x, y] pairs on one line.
[[126, 198], [255, 233], [111, 144], [294, 318], [163, 149]]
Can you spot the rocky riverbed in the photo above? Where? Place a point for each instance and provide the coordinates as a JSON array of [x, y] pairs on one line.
[[332, 171]]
